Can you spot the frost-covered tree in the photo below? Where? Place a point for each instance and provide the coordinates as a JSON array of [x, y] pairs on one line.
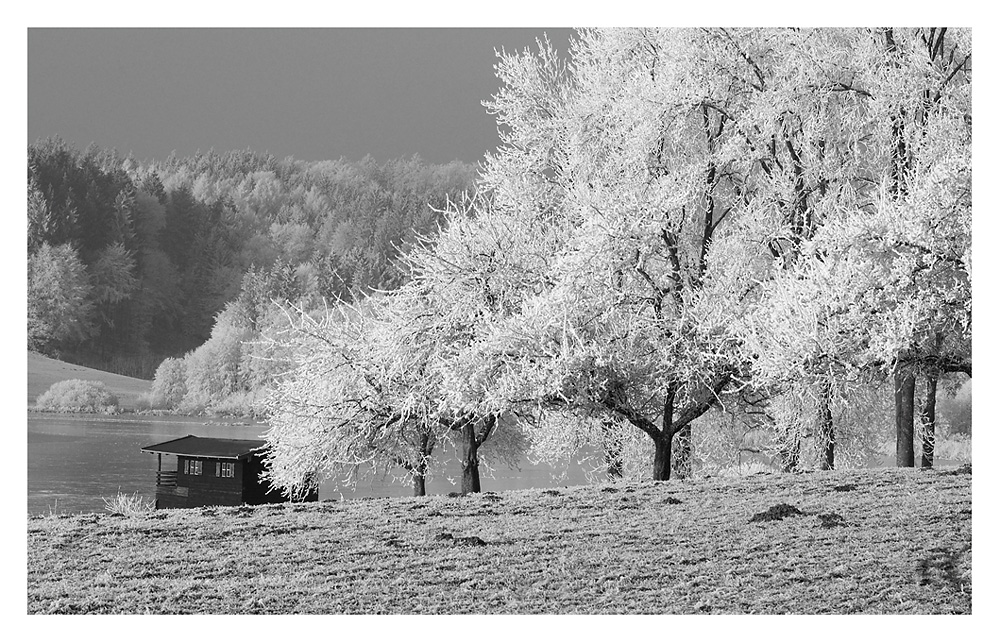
[[169, 384], [112, 280], [342, 413], [475, 276], [212, 371], [635, 159], [60, 303], [377, 384], [687, 180], [881, 287], [678, 219]]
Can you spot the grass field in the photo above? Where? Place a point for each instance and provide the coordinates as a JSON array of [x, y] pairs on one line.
[[43, 372], [885, 541]]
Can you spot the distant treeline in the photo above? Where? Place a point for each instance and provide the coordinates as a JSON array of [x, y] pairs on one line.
[[132, 261]]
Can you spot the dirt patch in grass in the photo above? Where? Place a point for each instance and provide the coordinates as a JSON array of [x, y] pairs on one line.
[[831, 520], [777, 512], [898, 542]]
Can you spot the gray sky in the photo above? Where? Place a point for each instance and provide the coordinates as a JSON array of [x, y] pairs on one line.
[[308, 93]]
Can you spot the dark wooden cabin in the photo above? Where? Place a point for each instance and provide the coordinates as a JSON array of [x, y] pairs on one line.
[[212, 471]]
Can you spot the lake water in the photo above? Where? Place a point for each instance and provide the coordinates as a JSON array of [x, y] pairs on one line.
[[76, 461]]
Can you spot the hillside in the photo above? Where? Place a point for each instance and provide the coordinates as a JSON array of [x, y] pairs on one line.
[[43, 372], [859, 541]]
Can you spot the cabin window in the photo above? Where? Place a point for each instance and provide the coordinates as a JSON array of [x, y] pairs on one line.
[[225, 469], [192, 467]]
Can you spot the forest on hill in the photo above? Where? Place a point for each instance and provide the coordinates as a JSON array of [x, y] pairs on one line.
[[132, 262]]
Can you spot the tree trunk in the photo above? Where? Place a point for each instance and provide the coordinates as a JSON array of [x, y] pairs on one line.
[[827, 439], [682, 463], [903, 385], [425, 449], [470, 459], [612, 452], [663, 438], [419, 484], [790, 458], [928, 420], [615, 467], [661, 459], [789, 451]]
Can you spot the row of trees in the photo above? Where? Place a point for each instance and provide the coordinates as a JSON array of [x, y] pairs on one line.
[[229, 372], [776, 223], [132, 259]]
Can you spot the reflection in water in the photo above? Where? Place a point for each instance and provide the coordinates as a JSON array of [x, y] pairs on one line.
[[75, 461]]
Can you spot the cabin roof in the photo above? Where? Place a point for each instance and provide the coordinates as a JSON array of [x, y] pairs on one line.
[[219, 448]]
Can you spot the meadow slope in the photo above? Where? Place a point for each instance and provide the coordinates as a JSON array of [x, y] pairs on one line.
[[865, 541], [44, 371]]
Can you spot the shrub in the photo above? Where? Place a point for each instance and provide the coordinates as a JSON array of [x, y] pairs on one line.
[[78, 396]]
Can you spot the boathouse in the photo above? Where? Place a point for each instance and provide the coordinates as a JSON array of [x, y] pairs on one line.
[[212, 471]]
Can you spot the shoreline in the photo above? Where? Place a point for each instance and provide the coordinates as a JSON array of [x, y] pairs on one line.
[[132, 416]]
